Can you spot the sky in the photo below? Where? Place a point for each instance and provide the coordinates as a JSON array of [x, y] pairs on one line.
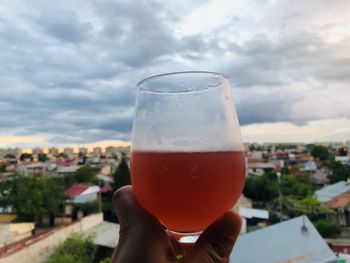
[[69, 69]]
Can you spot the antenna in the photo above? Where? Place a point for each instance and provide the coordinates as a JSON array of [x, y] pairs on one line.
[[304, 229]]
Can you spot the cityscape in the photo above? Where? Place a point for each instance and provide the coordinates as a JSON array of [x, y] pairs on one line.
[[289, 186], [268, 116]]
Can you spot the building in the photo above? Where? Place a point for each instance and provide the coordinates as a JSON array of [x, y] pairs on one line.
[[37, 151], [344, 160], [34, 169], [329, 192], [309, 166], [53, 151], [320, 177], [259, 169], [10, 151], [13, 232], [83, 193], [67, 170], [336, 197], [83, 150], [97, 150], [295, 240], [110, 150], [68, 151]]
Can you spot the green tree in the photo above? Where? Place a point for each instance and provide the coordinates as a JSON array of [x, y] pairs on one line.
[[261, 189], [2, 168], [10, 156], [34, 197], [42, 157], [62, 155], [297, 186], [75, 249], [309, 206], [25, 156], [343, 151], [106, 260], [338, 172], [84, 174], [122, 175], [320, 152], [327, 229]]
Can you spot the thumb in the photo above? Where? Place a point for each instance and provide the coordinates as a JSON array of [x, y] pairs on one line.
[[216, 242]]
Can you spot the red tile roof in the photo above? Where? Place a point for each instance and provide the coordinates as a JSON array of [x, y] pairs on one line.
[[77, 189], [106, 188], [341, 201]]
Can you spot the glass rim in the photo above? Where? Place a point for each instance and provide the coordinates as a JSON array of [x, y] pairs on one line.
[[139, 84]]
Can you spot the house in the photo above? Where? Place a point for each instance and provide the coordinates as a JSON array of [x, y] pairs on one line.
[[13, 232], [97, 151], [341, 204], [309, 166], [336, 197], [83, 193], [67, 170], [320, 177], [259, 169], [34, 168], [344, 160], [295, 240], [328, 192]]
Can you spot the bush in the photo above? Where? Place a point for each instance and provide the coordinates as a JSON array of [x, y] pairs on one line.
[[327, 229], [75, 249]]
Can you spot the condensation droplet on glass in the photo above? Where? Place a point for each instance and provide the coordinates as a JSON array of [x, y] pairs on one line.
[[193, 168], [219, 166], [165, 168]]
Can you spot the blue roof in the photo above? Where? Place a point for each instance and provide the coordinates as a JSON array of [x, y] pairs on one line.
[[283, 242], [328, 192], [85, 198]]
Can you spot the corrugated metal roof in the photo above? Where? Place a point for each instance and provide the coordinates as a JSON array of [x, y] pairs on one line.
[[328, 192], [67, 169], [81, 199], [283, 242], [253, 213], [105, 234]]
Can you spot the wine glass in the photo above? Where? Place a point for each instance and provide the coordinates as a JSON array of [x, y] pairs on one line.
[[187, 155]]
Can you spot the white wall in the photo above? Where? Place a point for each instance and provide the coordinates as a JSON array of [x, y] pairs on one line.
[[39, 251]]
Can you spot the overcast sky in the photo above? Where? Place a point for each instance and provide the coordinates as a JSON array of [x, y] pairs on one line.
[[69, 69]]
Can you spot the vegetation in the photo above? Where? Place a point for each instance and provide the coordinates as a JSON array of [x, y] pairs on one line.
[[34, 197], [84, 174], [89, 208], [122, 175], [10, 156], [121, 178], [320, 152], [2, 168], [42, 157], [327, 229], [75, 249], [261, 188], [308, 205], [265, 188], [25, 156], [339, 172]]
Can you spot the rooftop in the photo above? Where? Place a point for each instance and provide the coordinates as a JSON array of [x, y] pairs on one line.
[[328, 192], [283, 243]]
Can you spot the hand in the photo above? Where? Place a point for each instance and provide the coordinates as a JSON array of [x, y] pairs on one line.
[[142, 239]]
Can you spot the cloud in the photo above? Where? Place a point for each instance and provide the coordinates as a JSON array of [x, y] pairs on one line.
[[70, 69]]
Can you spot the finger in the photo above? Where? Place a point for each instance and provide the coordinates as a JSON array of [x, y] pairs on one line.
[[139, 230], [216, 242]]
